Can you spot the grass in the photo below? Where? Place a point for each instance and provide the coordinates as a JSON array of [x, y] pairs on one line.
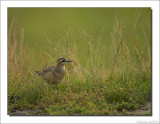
[[102, 80], [83, 98]]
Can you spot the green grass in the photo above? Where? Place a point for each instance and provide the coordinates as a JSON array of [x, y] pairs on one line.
[[82, 98], [110, 73]]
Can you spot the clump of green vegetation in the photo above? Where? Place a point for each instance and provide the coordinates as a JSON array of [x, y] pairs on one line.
[[81, 98], [104, 81]]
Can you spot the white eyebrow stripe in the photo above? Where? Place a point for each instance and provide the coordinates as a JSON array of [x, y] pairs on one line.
[[60, 60]]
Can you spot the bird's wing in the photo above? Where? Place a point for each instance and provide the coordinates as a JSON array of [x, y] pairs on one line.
[[48, 69]]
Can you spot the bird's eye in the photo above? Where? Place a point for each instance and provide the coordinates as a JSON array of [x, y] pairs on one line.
[[63, 60]]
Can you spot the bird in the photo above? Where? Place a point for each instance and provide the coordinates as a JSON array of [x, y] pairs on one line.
[[54, 74]]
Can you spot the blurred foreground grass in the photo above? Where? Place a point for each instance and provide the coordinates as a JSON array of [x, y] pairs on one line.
[[111, 68]]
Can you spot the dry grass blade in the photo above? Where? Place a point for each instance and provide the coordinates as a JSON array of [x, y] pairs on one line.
[[119, 35], [49, 55], [139, 58]]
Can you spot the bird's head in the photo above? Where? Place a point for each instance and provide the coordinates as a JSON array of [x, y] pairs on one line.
[[62, 61]]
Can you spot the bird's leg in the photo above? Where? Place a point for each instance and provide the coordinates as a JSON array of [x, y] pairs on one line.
[[55, 87], [50, 87]]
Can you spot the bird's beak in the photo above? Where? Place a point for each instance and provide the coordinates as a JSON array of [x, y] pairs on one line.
[[68, 61]]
